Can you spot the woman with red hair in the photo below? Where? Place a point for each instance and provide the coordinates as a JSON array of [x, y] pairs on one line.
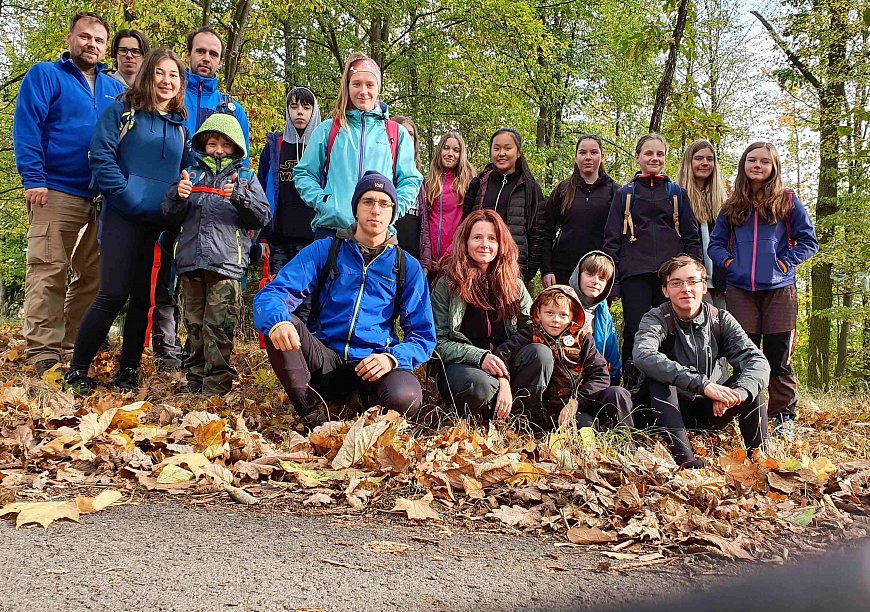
[[478, 302]]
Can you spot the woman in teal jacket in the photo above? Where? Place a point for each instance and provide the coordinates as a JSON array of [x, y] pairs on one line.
[[328, 173]]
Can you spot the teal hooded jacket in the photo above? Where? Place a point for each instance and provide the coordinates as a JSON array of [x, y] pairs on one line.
[[361, 147]]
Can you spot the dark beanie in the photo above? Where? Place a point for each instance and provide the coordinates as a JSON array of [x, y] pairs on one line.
[[375, 181]]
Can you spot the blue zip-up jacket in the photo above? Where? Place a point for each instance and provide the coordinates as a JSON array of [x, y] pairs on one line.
[[603, 329], [357, 304], [362, 146], [134, 174], [54, 120], [759, 257], [202, 98]]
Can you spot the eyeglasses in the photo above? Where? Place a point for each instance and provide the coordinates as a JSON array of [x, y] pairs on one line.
[[688, 284], [131, 51], [381, 204]]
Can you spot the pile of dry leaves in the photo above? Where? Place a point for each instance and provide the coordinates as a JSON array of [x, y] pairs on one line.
[[588, 488]]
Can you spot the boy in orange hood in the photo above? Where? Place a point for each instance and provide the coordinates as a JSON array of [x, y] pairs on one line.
[[580, 373]]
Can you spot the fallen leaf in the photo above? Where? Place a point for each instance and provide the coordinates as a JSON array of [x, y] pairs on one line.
[[309, 478], [516, 516], [41, 513], [472, 487], [804, 518], [318, 499], [92, 425], [240, 495], [589, 535], [357, 441], [417, 509], [209, 438], [196, 462], [172, 474], [89, 505]]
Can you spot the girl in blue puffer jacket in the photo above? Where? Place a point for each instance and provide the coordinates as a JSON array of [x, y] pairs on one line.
[[761, 236], [138, 148]]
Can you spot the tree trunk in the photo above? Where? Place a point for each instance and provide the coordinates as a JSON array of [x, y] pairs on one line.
[[235, 40], [206, 13], [843, 340], [664, 88]]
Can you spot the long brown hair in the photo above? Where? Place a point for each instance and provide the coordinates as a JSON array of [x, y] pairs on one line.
[[434, 180], [343, 103], [406, 121], [566, 190], [496, 289], [141, 95], [770, 199], [706, 202]]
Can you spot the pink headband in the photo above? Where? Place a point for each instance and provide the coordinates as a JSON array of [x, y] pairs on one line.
[[364, 64]]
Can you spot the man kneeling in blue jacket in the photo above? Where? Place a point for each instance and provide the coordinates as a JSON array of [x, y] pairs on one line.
[[352, 344]]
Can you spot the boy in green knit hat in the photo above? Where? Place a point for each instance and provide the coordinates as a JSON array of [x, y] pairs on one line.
[[220, 206]]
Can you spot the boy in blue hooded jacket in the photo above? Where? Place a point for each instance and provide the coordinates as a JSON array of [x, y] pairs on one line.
[[221, 206]]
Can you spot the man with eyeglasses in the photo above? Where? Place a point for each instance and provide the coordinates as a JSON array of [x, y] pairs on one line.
[[55, 115], [362, 284], [128, 50], [683, 348]]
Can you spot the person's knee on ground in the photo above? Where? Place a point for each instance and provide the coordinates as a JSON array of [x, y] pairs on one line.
[[470, 391], [669, 419], [531, 371]]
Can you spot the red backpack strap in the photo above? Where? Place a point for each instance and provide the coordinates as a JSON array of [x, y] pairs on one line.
[[393, 137], [334, 129], [792, 243]]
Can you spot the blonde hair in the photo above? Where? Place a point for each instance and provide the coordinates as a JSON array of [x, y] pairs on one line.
[[597, 265], [706, 202], [343, 103], [435, 177]]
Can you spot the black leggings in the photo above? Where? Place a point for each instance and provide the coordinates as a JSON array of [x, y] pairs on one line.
[[639, 294], [782, 389], [321, 367], [674, 415], [126, 257]]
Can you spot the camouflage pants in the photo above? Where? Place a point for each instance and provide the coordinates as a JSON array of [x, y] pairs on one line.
[[211, 312]]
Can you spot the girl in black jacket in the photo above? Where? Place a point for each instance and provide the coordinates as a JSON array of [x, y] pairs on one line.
[[650, 221], [507, 186], [576, 212]]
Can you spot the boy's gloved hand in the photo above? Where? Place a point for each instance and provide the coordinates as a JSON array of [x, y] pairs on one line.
[[231, 186], [184, 185]]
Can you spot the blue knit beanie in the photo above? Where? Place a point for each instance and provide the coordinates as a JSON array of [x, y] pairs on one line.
[[375, 181]]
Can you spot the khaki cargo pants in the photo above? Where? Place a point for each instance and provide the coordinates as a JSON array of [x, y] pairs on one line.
[[57, 250]]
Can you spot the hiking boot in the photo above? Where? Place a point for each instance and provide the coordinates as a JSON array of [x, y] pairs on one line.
[[168, 365], [193, 387], [694, 464], [78, 382], [44, 366], [127, 379], [313, 419], [784, 427]]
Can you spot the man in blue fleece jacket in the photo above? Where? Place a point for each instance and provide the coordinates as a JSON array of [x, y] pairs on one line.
[[57, 109]]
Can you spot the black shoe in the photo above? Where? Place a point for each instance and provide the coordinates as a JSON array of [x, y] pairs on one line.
[[694, 464], [313, 419], [78, 382], [127, 379], [191, 387], [44, 366], [168, 365]]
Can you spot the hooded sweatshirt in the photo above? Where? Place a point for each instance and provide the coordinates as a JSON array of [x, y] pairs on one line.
[[55, 117], [363, 145], [580, 371], [213, 227], [603, 329], [291, 216], [134, 173]]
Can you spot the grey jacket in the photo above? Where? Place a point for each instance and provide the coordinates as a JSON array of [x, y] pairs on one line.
[[449, 309], [697, 358]]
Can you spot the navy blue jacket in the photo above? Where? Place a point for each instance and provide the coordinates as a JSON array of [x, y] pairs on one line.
[[54, 120], [135, 173]]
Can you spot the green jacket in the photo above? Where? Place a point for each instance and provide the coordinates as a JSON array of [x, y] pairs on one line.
[[449, 309]]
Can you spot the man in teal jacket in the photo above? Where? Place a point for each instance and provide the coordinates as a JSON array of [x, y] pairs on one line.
[[56, 113]]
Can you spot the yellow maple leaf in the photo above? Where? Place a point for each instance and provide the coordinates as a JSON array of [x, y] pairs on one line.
[[172, 474], [89, 505], [41, 513], [417, 509]]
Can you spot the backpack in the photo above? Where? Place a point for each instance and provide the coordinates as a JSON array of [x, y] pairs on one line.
[[628, 224], [392, 136], [128, 120], [714, 321], [330, 271], [792, 243]]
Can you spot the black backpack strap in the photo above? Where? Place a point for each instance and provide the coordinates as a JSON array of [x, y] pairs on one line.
[[714, 317], [667, 346], [327, 274], [399, 271]]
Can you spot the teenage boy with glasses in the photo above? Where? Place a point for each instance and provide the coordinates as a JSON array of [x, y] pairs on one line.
[[128, 50], [683, 348]]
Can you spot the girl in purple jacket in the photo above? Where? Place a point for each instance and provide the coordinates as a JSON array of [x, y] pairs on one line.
[[762, 234]]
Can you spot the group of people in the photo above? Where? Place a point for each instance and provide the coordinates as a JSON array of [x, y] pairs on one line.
[[374, 269]]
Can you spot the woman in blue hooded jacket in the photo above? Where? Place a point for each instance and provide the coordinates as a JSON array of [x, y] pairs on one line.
[[361, 141], [138, 149], [761, 236]]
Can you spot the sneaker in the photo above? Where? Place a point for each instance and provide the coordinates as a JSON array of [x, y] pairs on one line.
[[784, 427], [78, 382], [44, 366], [127, 379]]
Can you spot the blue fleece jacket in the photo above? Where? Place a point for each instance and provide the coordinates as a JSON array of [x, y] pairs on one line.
[[135, 173], [757, 255], [362, 146], [203, 98], [54, 120], [357, 304]]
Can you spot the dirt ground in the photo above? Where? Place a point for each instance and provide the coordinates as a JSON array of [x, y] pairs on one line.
[[168, 556]]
